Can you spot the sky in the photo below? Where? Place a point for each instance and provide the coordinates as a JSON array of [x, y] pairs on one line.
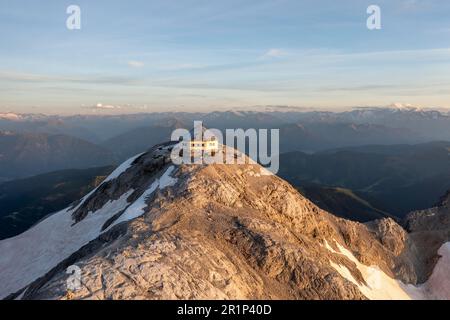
[[185, 55]]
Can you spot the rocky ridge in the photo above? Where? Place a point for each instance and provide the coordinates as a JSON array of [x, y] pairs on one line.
[[224, 231]]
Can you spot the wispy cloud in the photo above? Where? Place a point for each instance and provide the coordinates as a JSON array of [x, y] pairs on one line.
[[181, 66], [409, 4], [13, 76], [101, 106], [275, 53], [136, 64]]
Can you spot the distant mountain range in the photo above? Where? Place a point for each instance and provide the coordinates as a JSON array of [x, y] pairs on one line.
[[27, 154], [397, 178], [318, 136], [429, 124], [141, 139]]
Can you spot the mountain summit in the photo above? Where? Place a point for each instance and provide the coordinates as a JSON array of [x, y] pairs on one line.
[[153, 230]]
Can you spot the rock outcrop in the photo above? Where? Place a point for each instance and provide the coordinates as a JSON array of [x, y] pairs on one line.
[[430, 229]]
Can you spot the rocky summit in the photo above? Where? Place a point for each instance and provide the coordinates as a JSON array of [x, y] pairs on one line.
[[155, 230]]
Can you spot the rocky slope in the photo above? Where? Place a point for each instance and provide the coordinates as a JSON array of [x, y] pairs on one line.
[[429, 229], [154, 230]]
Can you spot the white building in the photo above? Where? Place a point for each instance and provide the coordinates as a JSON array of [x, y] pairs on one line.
[[204, 147]]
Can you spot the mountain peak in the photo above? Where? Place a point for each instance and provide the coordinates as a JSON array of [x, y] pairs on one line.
[[155, 230], [399, 105]]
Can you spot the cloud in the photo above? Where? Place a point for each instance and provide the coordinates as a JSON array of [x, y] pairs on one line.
[[109, 108], [135, 64], [368, 87], [181, 66], [409, 4], [12, 76], [100, 106], [275, 53]]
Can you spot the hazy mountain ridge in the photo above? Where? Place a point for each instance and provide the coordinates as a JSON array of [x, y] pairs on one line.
[[429, 123], [142, 138], [27, 154], [308, 131], [429, 227], [397, 178], [343, 203]]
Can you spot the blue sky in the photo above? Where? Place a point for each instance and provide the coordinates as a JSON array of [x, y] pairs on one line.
[[204, 55]]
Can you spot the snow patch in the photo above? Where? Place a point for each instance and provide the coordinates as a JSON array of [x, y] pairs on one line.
[[438, 285], [122, 168], [32, 254], [382, 287], [166, 180], [115, 174], [137, 209], [379, 285], [20, 296]]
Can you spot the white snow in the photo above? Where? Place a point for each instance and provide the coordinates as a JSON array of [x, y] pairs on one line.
[[238, 113], [30, 255], [438, 285], [379, 285], [166, 180], [20, 296], [122, 168], [399, 105], [382, 287], [137, 209], [115, 174]]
